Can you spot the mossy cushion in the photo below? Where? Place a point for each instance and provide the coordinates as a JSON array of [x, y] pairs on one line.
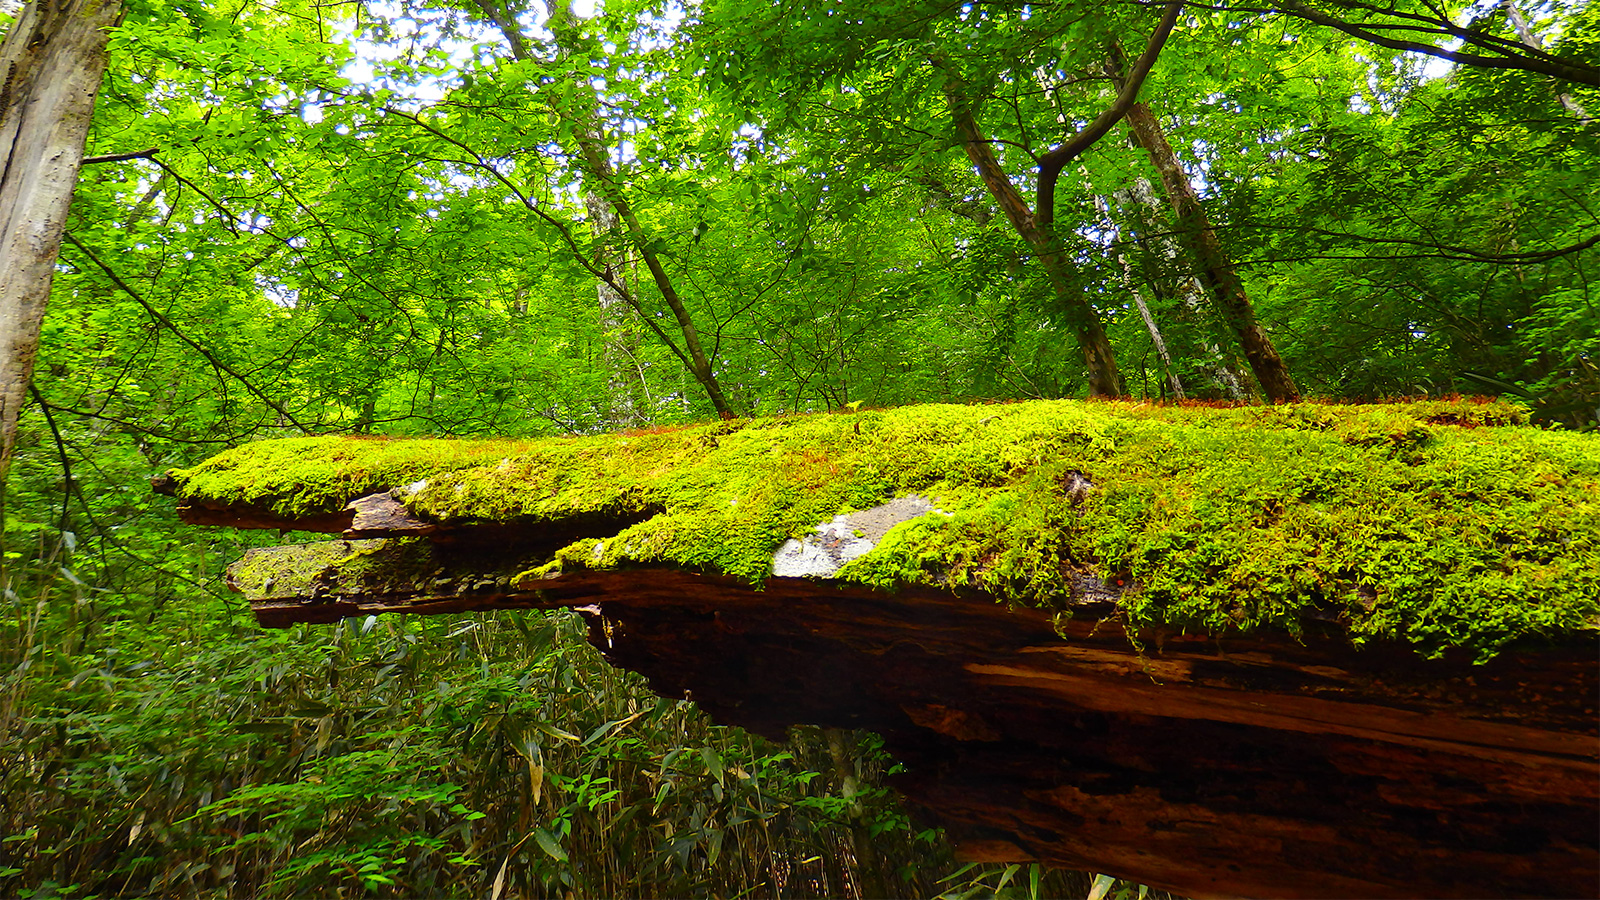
[[1443, 523]]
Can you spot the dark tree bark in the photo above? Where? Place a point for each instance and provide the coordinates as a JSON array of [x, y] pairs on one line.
[[1229, 759], [1211, 261], [1489, 51], [1035, 225], [1265, 764], [1051, 164], [1104, 378]]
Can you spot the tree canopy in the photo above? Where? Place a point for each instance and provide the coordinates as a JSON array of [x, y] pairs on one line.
[[388, 221], [503, 219]]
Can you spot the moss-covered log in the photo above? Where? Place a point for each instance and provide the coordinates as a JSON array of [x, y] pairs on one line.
[[1290, 651]]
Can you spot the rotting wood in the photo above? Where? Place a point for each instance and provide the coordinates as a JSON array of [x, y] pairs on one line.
[[1248, 765], [1247, 761], [381, 514]]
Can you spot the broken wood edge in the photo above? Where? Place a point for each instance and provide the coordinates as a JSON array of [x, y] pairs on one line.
[[993, 676], [1068, 658], [383, 515]]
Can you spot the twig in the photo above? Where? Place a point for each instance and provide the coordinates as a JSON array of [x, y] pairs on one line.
[[120, 157], [161, 318], [68, 485]]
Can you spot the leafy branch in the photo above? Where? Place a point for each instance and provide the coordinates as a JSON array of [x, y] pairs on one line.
[[199, 348]]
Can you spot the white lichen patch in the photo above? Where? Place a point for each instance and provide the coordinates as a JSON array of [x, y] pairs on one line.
[[850, 536]]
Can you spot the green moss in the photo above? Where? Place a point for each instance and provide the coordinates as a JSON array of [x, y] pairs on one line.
[[273, 574], [305, 476], [1441, 523]]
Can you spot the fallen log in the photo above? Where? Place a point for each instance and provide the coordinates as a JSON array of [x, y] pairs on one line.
[[1298, 651]]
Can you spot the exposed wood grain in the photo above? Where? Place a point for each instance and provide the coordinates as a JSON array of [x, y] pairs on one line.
[[377, 515], [1212, 765]]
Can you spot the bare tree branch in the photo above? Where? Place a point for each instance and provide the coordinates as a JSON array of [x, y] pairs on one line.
[[120, 157], [478, 162], [1051, 164], [1525, 60], [171, 326]]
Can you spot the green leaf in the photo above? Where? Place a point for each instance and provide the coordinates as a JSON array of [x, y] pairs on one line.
[[549, 844], [713, 761], [558, 733]]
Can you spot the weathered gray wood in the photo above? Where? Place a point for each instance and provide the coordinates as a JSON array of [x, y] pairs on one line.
[[50, 68], [378, 515]]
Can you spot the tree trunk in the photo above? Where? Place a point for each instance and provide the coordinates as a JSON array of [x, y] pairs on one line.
[[620, 340], [597, 168], [1531, 40], [1173, 381], [1104, 378], [1336, 745], [1175, 280], [1212, 265], [50, 68], [1211, 261], [601, 179], [700, 364]]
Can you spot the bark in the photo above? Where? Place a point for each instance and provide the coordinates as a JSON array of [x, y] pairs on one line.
[[1209, 765], [1052, 162], [50, 67], [1174, 383], [1177, 281], [1035, 225], [1104, 378], [700, 364], [1205, 758], [1212, 265], [625, 382], [1509, 57]]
